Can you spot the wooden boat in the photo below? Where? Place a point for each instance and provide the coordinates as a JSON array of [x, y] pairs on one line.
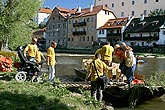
[[133, 96], [80, 73], [140, 61]]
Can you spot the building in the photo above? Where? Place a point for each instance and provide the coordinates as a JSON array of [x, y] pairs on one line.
[[125, 8], [113, 29], [43, 15], [40, 35], [57, 27], [145, 31], [83, 25]]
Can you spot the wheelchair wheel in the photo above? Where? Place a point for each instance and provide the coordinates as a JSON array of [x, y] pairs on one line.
[[20, 76]]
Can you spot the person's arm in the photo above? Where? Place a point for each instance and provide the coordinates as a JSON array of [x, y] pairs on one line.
[[88, 72], [48, 60], [48, 56], [26, 49], [43, 56]]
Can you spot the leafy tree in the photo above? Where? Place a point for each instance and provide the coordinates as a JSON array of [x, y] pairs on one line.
[[157, 12], [16, 20]]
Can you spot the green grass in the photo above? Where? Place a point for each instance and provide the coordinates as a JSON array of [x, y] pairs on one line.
[[33, 96]]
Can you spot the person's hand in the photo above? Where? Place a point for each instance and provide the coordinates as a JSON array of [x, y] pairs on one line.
[[86, 79], [114, 66]]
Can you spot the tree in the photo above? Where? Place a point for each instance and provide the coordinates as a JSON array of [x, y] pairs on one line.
[[157, 12], [15, 20]]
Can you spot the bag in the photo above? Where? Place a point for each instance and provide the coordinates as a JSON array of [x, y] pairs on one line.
[[122, 67], [103, 81]]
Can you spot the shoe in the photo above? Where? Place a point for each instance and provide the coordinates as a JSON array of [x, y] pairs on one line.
[[53, 84]]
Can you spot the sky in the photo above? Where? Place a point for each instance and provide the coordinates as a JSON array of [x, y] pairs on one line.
[[69, 4]]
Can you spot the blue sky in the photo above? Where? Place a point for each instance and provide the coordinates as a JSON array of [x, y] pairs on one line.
[[69, 4]]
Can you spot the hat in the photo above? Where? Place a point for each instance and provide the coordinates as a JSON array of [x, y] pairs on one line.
[[116, 46]]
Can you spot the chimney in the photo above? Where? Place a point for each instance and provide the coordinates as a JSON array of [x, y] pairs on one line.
[[141, 17], [79, 9], [129, 17], [91, 7]]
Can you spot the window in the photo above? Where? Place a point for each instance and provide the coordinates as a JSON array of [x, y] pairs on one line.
[[92, 19], [163, 32], [145, 1], [99, 31], [122, 14], [113, 5], [88, 19], [133, 2], [133, 13], [122, 4], [92, 38], [157, 0], [87, 38], [105, 12], [83, 38], [145, 12]]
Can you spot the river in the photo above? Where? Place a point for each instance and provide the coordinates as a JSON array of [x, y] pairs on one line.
[[67, 62]]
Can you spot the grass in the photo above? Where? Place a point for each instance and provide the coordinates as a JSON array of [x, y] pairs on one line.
[[33, 96]]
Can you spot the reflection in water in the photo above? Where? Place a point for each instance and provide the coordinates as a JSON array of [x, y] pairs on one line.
[[66, 65]]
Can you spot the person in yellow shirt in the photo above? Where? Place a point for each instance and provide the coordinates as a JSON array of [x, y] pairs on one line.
[[51, 61], [31, 49], [39, 56], [106, 56], [100, 66], [97, 51]]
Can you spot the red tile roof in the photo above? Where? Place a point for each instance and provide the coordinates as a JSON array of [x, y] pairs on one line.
[[39, 32], [96, 9], [45, 10], [115, 23], [65, 12]]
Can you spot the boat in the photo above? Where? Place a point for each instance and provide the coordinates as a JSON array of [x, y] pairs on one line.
[[119, 94], [131, 97], [80, 73], [141, 61]]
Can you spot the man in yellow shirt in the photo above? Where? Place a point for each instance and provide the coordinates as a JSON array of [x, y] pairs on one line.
[[51, 61], [31, 49], [100, 67], [106, 56]]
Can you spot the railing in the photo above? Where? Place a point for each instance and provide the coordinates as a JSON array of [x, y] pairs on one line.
[[79, 24], [79, 33], [113, 34], [142, 38]]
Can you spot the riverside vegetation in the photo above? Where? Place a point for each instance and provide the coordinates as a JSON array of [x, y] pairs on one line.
[[33, 96]]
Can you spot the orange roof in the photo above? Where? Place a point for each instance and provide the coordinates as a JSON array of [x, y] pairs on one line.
[[96, 9], [65, 12], [115, 23], [45, 10], [39, 32]]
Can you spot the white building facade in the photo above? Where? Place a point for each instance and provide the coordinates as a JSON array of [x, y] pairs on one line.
[[43, 15], [125, 8]]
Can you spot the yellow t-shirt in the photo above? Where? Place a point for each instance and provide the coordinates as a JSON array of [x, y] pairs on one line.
[[97, 51], [38, 56], [106, 52], [100, 66], [32, 49], [51, 55]]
